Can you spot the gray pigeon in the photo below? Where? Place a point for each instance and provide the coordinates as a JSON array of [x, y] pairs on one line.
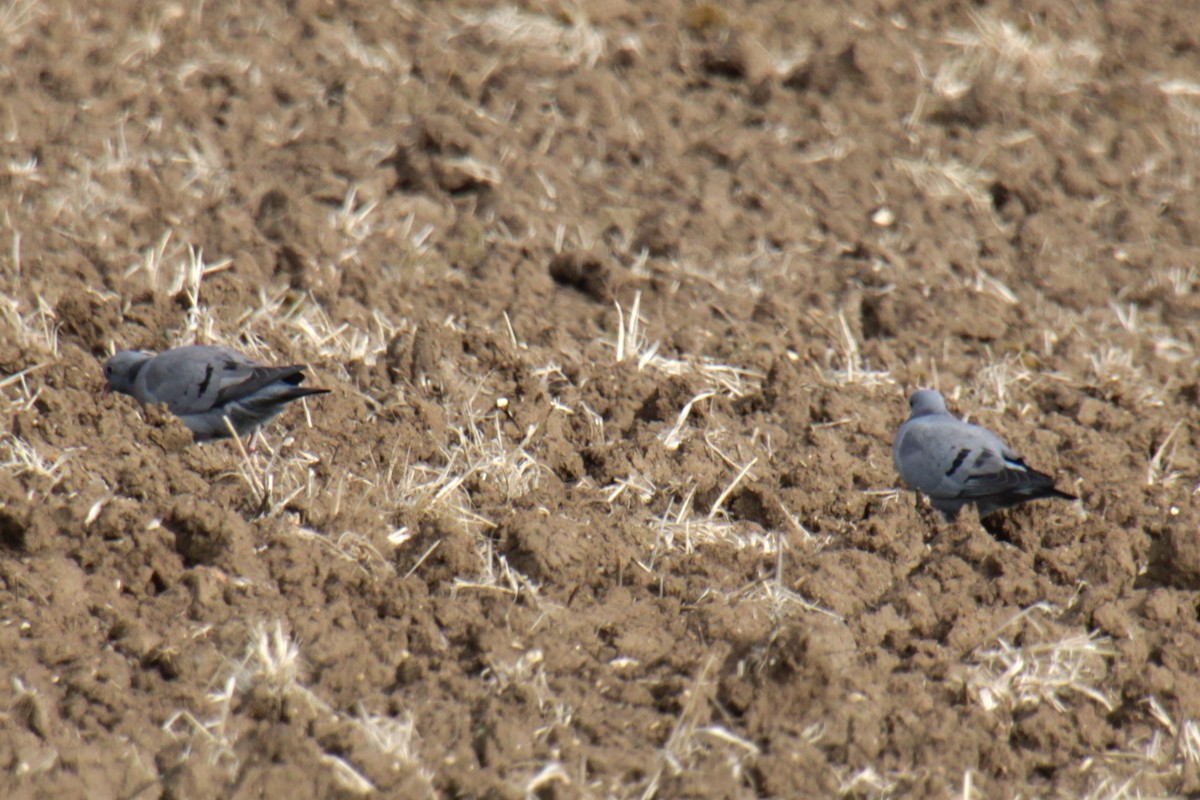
[[956, 463], [203, 385]]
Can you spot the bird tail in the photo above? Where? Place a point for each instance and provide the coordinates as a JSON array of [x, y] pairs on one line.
[[1034, 485], [293, 374], [253, 412], [295, 393], [1027, 485], [265, 378]]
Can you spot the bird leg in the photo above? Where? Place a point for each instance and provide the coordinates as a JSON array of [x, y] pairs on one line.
[[251, 446]]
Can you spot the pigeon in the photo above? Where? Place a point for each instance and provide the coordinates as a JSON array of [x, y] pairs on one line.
[[956, 463], [204, 385]]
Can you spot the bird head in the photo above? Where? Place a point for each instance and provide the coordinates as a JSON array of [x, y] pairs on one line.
[[122, 369], [926, 401]]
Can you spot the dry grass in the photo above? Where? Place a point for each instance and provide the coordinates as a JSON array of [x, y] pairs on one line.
[[272, 665], [678, 528], [36, 329], [1001, 675], [634, 485], [572, 41], [472, 455], [781, 602], [690, 742], [1159, 470], [995, 383], [18, 383], [634, 345], [1143, 765], [984, 283], [1115, 372], [168, 268], [869, 782], [91, 202], [23, 458], [853, 369], [996, 50], [948, 178], [15, 17], [444, 492]]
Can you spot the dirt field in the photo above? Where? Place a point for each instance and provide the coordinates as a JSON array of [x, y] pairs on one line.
[[620, 303]]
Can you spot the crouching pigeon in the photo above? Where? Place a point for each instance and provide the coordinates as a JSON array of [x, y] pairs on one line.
[[204, 385], [956, 463]]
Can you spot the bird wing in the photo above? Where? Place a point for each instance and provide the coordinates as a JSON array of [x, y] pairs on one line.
[[987, 472], [948, 458], [193, 380], [260, 381]]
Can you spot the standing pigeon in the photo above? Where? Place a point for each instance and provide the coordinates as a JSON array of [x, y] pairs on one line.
[[204, 385], [957, 463]]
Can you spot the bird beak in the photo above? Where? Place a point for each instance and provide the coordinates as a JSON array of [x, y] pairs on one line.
[[106, 391]]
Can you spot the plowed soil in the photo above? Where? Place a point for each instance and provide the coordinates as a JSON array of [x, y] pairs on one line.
[[620, 304]]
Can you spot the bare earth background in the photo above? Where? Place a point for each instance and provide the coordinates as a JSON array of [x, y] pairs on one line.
[[620, 303]]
